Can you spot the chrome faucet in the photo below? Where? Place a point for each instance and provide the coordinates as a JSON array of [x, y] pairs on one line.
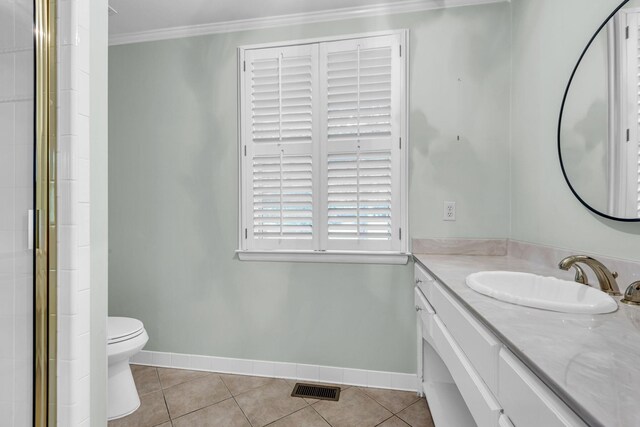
[[606, 279]]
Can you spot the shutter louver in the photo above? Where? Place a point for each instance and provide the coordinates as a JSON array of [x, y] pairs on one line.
[[359, 94], [281, 91], [280, 85], [361, 104], [282, 197], [359, 196]]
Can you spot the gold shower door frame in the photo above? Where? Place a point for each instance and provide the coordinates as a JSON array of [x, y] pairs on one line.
[[45, 264]]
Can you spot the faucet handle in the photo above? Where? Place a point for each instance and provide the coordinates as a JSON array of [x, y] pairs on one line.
[[632, 294]]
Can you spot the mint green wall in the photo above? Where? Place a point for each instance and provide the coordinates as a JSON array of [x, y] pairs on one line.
[[173, 195], [585, 122], [548, 37]]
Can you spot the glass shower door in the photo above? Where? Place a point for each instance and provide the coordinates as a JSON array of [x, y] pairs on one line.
[[17, 146]]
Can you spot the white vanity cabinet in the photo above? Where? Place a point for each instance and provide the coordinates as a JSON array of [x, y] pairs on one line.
[[468, 376]]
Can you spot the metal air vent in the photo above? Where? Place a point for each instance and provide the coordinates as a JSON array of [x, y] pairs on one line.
[[313, 391]]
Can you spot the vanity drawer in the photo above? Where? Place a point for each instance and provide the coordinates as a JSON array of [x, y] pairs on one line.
[[478, 343], [481, 403], [423, 280], [421, 302], [425, 315], [526, 400]]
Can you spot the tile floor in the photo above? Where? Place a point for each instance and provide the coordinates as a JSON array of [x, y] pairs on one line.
[[181, 398]]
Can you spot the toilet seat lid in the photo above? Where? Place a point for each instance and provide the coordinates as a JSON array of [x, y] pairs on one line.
[[122, 328]]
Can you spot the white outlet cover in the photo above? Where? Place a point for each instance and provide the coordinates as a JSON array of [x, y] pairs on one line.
[[449, 213]]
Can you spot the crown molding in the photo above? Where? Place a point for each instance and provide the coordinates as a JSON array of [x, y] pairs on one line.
[[407, 6]]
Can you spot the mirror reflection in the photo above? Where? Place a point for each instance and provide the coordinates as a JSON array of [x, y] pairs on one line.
[[600, 127]]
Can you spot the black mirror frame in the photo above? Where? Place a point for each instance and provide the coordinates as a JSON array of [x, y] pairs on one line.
[[564, 99]]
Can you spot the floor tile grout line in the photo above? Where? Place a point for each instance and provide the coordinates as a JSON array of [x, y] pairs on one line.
[[166, 405], [234, 400], [242, 410], [244, 391], [363, 389], [199, 409], [385, 420], [224, 384], [294, 412], [195, 410], [394, 416], [325, 420], [253, 389], [415, 403], [207, 406], [204, 374], [359, 389], [160, 384], [152, 391], [278, 419]]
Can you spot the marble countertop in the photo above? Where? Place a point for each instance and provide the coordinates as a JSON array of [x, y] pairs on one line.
[[592, 362]]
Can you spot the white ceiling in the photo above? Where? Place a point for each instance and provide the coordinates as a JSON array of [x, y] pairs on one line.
[[147, 15]]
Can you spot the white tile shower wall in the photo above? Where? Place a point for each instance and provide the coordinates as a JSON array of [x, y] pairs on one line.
[[294, 371], [73, 213], [16, 194]]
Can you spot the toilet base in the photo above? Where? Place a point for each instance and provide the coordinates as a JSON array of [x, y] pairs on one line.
[[122, 397]]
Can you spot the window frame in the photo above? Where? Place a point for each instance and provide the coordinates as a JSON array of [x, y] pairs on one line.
[[332, 256]]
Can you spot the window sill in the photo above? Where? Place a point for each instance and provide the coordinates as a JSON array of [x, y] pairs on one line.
[[346, 257]]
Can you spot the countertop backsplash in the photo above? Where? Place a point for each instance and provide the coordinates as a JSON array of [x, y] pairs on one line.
[[547, 256]]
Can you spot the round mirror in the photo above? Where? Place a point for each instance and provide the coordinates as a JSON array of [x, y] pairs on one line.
[[599, 128]]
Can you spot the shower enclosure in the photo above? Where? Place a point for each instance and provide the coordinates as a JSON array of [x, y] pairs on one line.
[[27, 213]]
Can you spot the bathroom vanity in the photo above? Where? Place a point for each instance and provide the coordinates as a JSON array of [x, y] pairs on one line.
[[489, 363]]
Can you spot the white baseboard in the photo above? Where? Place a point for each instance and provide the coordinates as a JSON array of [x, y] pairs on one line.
[[294, 371]]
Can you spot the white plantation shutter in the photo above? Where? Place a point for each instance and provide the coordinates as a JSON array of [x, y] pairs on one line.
[[322, 166], [280, 88], [361, 128]]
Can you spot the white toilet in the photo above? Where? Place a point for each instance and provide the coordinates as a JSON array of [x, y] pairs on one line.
[[125, 337]]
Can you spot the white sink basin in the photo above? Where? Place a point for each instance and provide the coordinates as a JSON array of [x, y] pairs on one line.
[[547, 293]]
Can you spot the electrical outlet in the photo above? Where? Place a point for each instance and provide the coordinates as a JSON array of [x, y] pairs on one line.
[[449, 211]]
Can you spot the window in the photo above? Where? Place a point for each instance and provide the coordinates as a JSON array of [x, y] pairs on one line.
[[323, 150]]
